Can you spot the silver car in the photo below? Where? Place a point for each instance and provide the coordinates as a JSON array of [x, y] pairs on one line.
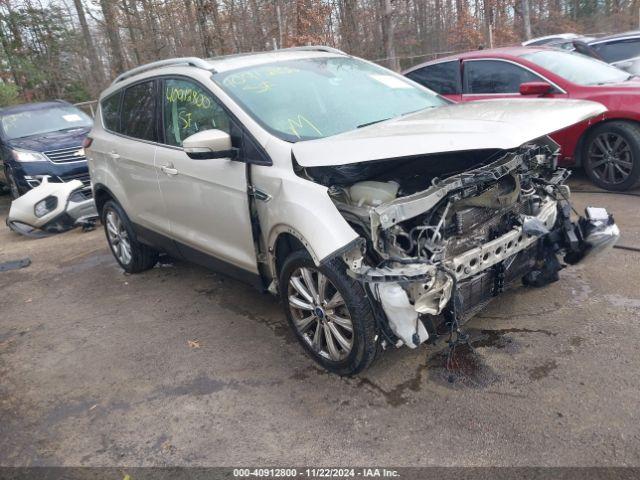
[[380, 213]]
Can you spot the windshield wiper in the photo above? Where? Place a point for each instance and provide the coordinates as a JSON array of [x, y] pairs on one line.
[[372, 123], [70, 129]]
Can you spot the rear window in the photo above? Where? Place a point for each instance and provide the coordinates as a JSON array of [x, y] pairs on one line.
[[577, 68], [138, 111], [110, 108], [619, 50], [442, 78]]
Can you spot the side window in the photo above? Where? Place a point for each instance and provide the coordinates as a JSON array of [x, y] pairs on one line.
[[138, 111], [188, 109], [495, 76], [110, 108], [442, 78], [619, 50]]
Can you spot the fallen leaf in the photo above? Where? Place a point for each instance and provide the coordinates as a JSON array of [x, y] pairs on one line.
[[167, 447], [195, 343]]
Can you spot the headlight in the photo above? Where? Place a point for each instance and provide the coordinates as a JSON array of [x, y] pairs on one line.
[[45, 206], [28, 156]]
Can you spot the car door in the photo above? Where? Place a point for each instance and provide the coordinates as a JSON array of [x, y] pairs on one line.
[[132, 154], [496, 78], [206, 200], [443, 78]]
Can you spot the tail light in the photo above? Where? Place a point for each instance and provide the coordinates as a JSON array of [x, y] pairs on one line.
[[87, 142]]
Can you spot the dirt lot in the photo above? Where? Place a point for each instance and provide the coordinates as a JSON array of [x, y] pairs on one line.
[[96, 369]]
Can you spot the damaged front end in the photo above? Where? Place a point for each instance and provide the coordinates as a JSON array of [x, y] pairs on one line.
[[436, 246]]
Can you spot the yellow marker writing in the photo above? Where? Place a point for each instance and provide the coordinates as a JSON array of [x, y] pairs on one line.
[[299, 123]]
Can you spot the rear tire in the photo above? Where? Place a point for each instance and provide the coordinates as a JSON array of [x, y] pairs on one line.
[[131, 255], [611, 155], [329, 312]]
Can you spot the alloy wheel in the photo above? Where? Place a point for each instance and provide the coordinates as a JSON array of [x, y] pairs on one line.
[[610, 158], [118, 237], [320, 314]]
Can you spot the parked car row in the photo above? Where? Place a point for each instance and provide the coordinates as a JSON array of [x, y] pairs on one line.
[[621, 50], [607, 147], [381, 212]]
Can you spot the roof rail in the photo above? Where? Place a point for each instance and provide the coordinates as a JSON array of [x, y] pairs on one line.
[[316, 48], [191, 61]]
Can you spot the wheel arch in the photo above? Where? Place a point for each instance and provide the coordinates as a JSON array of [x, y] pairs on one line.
[[609, 119], [283, 241], [102, 195]]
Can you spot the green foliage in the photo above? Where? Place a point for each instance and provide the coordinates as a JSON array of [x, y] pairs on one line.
[[8, 94], [43, 52]]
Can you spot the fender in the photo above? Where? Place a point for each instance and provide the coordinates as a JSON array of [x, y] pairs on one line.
[[100, 178], [318, 225]]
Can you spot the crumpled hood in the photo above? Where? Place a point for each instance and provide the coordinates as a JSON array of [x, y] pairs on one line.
[[486, 124]]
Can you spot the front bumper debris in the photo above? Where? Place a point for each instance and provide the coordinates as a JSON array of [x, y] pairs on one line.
[[409, 291]]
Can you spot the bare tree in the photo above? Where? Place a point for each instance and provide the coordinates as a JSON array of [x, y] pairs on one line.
[[388, 35], [94, 61], [526, 19], [112, 29]]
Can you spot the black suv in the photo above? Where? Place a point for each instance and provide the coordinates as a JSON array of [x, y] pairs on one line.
[[39, 139]]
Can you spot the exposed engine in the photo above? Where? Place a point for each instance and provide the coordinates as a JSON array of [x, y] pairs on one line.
[[451, 216], [437, 241]]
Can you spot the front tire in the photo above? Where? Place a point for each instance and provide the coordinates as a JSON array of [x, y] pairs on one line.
[[133, 256], [612, 155], [12, 184], [329, 312]]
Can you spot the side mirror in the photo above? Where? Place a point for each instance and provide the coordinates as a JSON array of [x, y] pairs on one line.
[[209, 144], [535, 88]]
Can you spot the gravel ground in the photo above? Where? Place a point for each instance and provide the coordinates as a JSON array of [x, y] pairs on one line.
[[182, 366]]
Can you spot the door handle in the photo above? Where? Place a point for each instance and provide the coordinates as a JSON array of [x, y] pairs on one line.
[[169, 170], [114, 155]]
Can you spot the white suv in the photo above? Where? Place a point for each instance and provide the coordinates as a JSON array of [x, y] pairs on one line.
[[378, 211]]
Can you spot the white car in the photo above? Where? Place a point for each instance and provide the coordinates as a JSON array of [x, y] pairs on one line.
[[378, 211], [558, 37]]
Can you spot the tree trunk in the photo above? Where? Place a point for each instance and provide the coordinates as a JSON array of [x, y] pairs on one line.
[[113, 36], [130, 10], [201, 16], [526, 19], [96, 65], [388, 32], [348, 26]]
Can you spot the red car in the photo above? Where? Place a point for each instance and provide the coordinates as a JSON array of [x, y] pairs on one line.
[[607, 147]]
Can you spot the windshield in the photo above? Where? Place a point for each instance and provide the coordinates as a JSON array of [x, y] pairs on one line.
[[577, 68], [43, 120], [318, 97]]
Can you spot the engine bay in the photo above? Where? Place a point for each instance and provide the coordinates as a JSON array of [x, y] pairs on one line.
[[440, 236]]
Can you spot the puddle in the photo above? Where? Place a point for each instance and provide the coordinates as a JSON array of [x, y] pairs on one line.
[[542, 371], [576, 341], [462, 367], [497, 339]]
